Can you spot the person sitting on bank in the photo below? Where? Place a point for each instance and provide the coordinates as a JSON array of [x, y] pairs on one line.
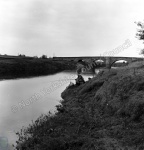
[[80, 80]]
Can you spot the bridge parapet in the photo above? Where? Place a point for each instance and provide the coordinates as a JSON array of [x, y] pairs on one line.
[[107, 60]]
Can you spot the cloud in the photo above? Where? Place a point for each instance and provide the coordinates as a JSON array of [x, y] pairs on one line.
[[76, 27]]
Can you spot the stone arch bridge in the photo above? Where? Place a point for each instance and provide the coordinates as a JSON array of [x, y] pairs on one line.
[[108, 61]]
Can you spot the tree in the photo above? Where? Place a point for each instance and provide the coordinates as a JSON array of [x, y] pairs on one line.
[[44, 56], [35, 56], [142, 52], [140, 34]]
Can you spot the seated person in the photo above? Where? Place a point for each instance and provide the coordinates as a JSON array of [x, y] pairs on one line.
[[79, 80]]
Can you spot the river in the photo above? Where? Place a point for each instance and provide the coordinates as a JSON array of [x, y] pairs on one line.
[[24, 100]]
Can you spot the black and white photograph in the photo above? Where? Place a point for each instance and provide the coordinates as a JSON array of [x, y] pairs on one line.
[[71, 75]]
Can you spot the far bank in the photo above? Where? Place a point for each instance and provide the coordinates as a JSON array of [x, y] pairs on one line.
[[26, 68]]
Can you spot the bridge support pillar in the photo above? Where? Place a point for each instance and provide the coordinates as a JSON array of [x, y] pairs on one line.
[[108, 62]]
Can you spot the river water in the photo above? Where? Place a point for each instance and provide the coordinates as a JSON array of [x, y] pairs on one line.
[[24, 100]]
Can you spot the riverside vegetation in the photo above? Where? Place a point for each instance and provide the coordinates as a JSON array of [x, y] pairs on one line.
[[29, 67], [105, 113]]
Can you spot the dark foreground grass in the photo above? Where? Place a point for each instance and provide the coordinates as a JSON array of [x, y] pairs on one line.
[[21, 68], [105, 113]]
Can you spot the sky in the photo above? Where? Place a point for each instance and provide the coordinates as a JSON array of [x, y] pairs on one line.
[[69, 27]]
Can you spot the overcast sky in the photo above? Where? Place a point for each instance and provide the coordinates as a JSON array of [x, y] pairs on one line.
[[69, 27]]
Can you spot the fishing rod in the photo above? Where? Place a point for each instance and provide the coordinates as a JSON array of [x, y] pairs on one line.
[[61, 80]]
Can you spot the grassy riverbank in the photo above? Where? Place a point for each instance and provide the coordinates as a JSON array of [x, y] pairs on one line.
[[105, 113], [21, 68]]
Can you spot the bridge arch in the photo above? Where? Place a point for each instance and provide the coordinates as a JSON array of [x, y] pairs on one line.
[[79, 60], [99, 61], [125, 60]]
